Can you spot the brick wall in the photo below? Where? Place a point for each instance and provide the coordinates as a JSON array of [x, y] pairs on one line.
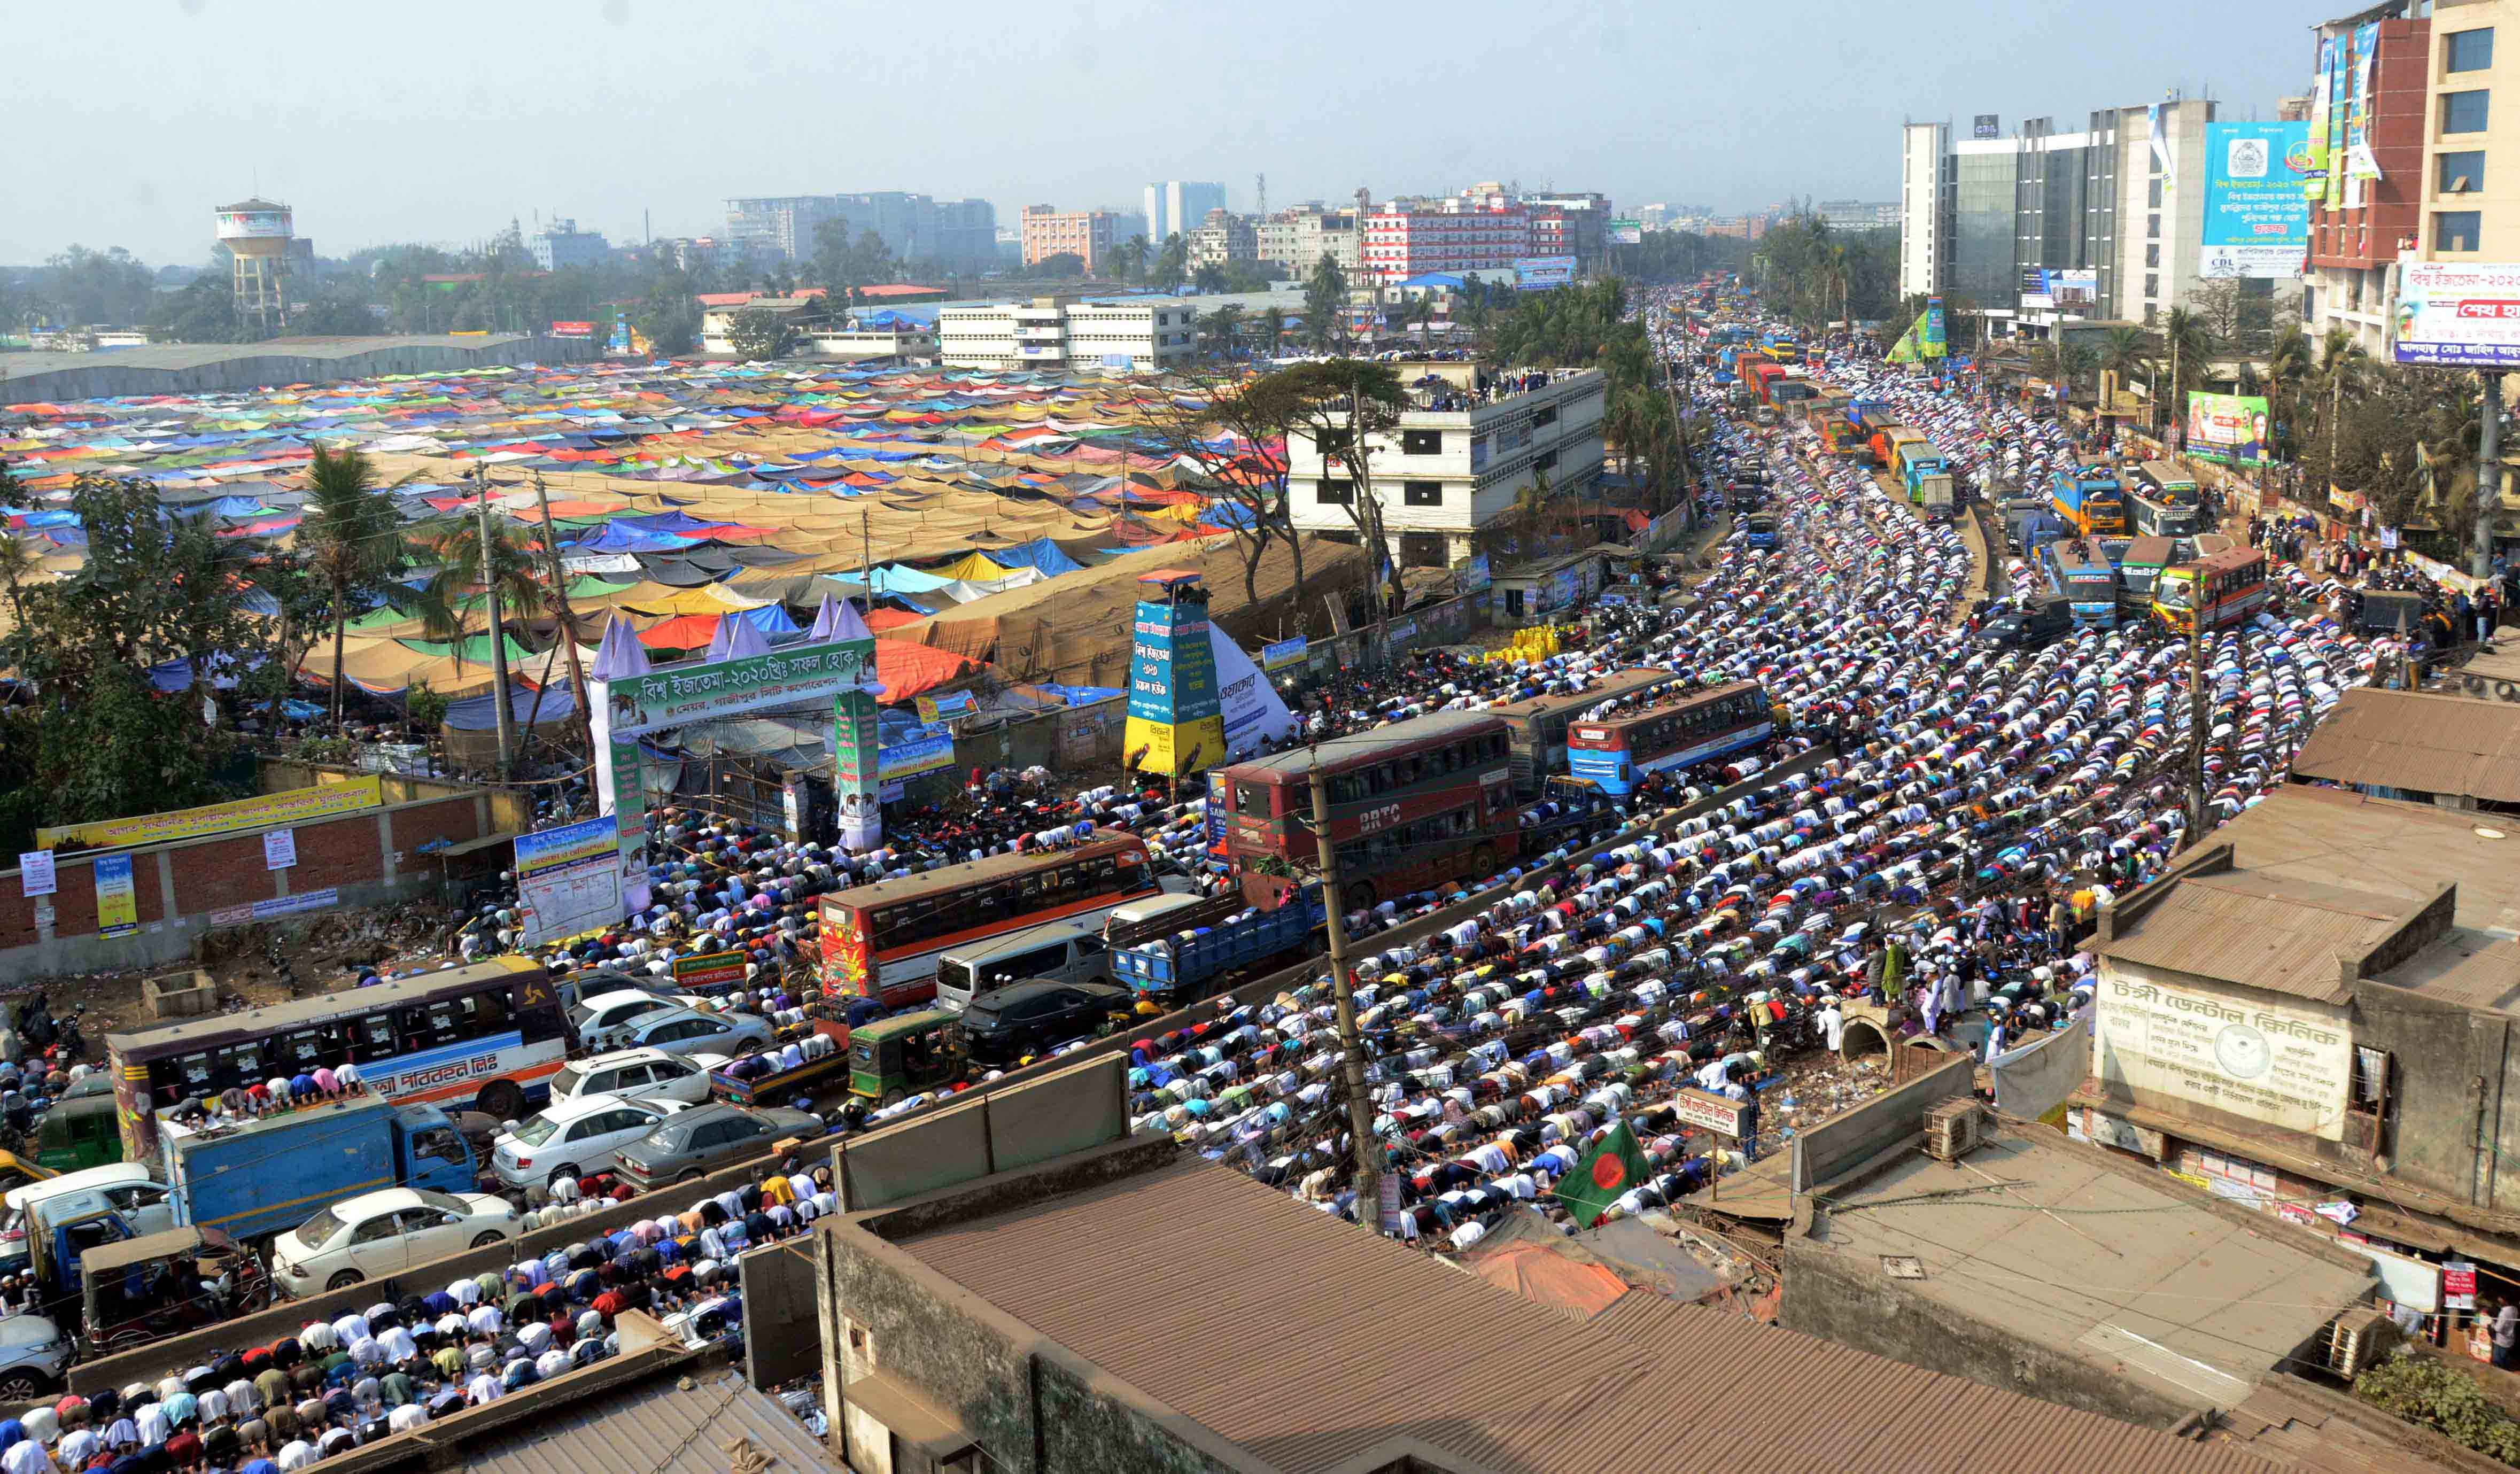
[[349, 854]]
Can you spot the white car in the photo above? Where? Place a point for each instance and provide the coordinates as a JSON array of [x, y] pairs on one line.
[[573, 1138], [377, 1235], [603, 1021], [636, 1074]]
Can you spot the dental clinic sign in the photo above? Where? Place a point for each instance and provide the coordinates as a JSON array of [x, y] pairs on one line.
[[2285, 1061]]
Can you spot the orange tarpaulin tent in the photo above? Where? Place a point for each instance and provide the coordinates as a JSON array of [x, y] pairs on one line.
[[908, 670]]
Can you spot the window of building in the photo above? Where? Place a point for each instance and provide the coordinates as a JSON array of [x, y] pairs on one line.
[[1423, 493], [2152, 256], [2151, 285], [2458, 173], [2464, 111], [1335, 493], [1421, 442], [2152, 193], [2468, 50], [2153, 227], [2455, 230]]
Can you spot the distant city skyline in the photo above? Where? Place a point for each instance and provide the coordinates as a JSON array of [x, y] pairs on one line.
[[128, 128]]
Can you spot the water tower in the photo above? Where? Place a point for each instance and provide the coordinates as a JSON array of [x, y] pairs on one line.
[[257, 234]]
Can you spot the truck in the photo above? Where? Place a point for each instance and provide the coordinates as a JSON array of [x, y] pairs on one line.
[[1762, 378], [1186, 965], [780, 1086], [2166, 502], [254, 1178], [1924, 474], [1885, 442], [2088, 500]]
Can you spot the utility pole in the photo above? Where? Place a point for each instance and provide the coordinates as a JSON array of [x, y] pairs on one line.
[[507, 715], [566, 618], [2197, 711], [866, 551], [2488, 482], [1360, 1110]]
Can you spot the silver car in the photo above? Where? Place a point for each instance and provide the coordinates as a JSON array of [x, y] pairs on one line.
[[689, 1031], [34, 1354]]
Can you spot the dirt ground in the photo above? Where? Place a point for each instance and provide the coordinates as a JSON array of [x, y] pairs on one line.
[[267, 965]]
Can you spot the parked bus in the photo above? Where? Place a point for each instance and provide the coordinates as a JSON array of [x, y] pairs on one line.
[[2139, 561], [1536, 728], [1412, 805], [2164, 500], [1615, 754], [487, 1037], [884, 941], [2213, 593], [2081, 573]]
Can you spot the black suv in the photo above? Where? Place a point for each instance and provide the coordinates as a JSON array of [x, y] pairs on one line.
[[1004, 1024]]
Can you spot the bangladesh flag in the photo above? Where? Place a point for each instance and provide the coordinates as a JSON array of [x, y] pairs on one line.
[[1612, 1168]]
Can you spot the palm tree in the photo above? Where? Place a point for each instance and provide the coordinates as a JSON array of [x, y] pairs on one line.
[[2189, 341], [1129, 257], [467, 573], [351, 539], [1273, 327], [1221, 327], [2342, 369], [2124, 353], [2287, 373], [1421, 314]]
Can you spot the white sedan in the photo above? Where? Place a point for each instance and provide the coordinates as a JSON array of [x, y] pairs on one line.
[[638, 1075], [572, 1137], [376, 1236]]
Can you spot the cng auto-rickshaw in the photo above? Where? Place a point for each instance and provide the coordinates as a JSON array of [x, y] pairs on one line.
[[79, 1131], [898, 1056], [164, 1284]]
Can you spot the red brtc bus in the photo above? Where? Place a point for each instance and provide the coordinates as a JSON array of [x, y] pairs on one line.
[[1412, 805]]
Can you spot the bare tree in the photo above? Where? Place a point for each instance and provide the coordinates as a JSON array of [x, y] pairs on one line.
[[1236, 437], [1343, 404]]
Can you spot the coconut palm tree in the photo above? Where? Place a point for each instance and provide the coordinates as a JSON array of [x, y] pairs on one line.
[[2187, 341], [2287, 375], [1273, 327], [472, 570], [351, 539], [2125, 352]]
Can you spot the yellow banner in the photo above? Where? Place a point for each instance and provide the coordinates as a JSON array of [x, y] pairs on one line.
[[1161, 749], [270, 811]]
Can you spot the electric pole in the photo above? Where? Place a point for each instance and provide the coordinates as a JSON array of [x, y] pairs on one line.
[[1360, 1110], [566, 617], [507, 716]]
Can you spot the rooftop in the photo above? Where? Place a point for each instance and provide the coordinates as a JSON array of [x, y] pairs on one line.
[[2165, 1290], [2420, 741], [1176, 1280], [2284, 934]]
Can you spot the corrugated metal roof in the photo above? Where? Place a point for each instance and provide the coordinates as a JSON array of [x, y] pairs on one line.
[[2260, 931], [2421, 741], [673, 1425], [1308, 1341]]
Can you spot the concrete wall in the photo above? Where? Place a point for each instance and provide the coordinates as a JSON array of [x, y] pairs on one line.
[[1850, 1136], [98, 376], [781, 1343], [2454, 1113], [2035, 1079], [1851, 1302], [188, 887]]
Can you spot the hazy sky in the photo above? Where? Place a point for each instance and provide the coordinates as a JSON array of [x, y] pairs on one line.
[[125, 121]]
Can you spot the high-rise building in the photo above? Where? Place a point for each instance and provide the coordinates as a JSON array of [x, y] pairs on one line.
[[1926, 168], [1296, 240], [1177, 207], [2470, 181], [1402, 240], [562, 244], [913, 227], [1858, 214], [1086, 235]]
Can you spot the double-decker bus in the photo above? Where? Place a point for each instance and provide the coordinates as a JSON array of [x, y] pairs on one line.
[[2212, 591], [884, 941], [1615, 754], [1412, 805], [487, 1037], [2080, 571], [1536, 728]]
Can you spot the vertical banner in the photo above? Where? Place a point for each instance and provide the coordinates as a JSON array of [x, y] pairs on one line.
[[2319, 85], [1176, 718], [2339, 70], [2361, 165], [621, 792], [857, 770], [1934, 341], [117, 906], [2257, 215]]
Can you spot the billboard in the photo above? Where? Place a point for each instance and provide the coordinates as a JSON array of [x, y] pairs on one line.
[[269, 811], [1540, 272], [1627, 233], [1984, 125], [254, 225], [1933, 340], [2074, 289], [572, 330], [569, 879], [2459, 315], [2257, 204], [2227, 427]]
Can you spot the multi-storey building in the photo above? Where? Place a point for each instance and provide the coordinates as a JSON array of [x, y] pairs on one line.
[[1176, 207], [913, 227], [1086, 234], [1859, 214], [563, 245], [1459, 461], [1221, 238], [1064, 332], [2355, 245], [2470, 184], [1402, 241]]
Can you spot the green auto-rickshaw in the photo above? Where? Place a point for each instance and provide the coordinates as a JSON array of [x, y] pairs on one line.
[[901, 1055]]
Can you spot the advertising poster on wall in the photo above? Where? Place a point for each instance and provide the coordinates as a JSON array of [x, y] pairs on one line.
[[2060, 288], [35, 876], [1541, 273], [569, 879], [2257, 208], [1627, 233], [2231, 428], [117, 906], [2458, 315], [2339, 72]]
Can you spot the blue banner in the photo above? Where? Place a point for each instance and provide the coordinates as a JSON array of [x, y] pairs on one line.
[[2256, 207], [1172, 668]]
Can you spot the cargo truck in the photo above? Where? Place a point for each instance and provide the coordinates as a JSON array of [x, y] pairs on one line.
[[1188, 964], [2089, 501]]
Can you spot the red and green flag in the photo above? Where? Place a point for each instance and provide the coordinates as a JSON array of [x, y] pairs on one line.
[[1613, 1168]]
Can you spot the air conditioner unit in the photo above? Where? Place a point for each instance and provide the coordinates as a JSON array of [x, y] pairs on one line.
[[1952, 1129], [2360, 1339]]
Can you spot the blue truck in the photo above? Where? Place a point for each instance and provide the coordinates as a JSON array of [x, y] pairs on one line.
[[2089, 501], [1185, 966]]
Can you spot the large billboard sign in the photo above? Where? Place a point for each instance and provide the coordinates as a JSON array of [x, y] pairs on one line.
[[2457, 314], [2227, 428], [2257, 211], [1541, 273], [254, 225], [2074, 289], [1627, 233]]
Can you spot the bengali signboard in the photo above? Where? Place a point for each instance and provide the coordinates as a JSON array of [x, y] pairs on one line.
[[2288, 1063], [676, 695], [572, 330], [2460, 314], [569, 879], [1712, 1112], [2067, 288], [2257, 213], [925, 752], [1176, 715], [1541, 273], [1627, 233], [117, 904], [1281, 653], [265, 812], [708, 971]]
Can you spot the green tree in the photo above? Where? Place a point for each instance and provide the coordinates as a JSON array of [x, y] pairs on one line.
[[2187, 350], [1272, 329], [1128, 258], [1221, 329], [351, 539], [1342, 404], [1065, 263], [2287, 377], [1235, 432], [759, 332], [2430, 1394], [1246, 276], [1172, 263], [668, 319], [1325, 303], [202, 312], [1209, 277]]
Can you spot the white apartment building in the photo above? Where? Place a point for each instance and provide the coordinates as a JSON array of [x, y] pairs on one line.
[[1176, 207], [1060, 333], [2161, 206], [1925, 219], [1457, 461]]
